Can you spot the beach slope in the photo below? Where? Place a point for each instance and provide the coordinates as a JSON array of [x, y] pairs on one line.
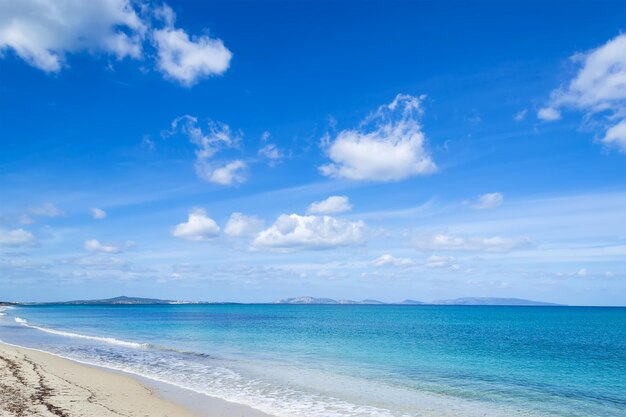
[[34, 383]]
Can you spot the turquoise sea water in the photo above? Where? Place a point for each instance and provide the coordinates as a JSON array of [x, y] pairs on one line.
[[352, 360]]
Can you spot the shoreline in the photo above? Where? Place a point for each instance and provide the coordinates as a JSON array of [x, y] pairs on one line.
[[37, 383]]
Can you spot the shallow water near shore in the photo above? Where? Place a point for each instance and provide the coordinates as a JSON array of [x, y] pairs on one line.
[[353, 360]]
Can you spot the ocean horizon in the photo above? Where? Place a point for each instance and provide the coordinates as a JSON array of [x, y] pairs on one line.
[[352, 360]]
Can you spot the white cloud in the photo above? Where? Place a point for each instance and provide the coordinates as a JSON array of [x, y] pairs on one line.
[[148, 143], [447, 242], [388, 146], [17, 237], [197, 227], [390, 260], [521, 115], [598, 88], [209, 142], [448, 262], [185, 59], [231, 173], [98, 214], [616, 136], [310, 232], [331, 205], [241, 225], [270, 151], [549, 114], [42, 32], [94, 245], [47, 210], [489, 201]]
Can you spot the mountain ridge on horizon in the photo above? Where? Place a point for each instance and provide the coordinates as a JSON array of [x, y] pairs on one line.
[[308, 300], [493, 301]]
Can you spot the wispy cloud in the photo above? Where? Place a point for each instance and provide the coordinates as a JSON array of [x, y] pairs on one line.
[[390, 260], [448, 242], [208, 142], [47, 210], [488, 201], [332, 205], [598, 89], [94, 245], [17, 237], [98, 214], [520, 115], [270, 151]]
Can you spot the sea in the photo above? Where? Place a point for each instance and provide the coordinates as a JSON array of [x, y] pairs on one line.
[[352, 360]]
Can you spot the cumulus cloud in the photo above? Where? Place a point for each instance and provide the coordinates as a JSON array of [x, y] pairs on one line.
[[239, 225], [208, 143], [598, 89], [197, 227], [188, 59], [447, 242], [17, 237], [94, 245], [488, 201], [390, 260], [310, 232], [44, 32], [331, 205], [389, 145], [47, 210], [98, 214]]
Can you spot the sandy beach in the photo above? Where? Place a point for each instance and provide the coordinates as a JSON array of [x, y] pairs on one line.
[[34, 383], [38, 384]]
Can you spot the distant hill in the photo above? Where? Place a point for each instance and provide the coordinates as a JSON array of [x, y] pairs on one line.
[[412, 302], [466, 301], [491, 301], [314, 300], [307, 300], [123, 300]]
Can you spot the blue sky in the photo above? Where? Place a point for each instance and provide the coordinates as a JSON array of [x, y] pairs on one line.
[[251, 151]]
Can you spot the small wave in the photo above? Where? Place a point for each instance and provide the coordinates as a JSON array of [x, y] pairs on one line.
[[109, 340]]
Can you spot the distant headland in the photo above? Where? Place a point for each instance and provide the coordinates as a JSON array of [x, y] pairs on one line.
[[466, 301]]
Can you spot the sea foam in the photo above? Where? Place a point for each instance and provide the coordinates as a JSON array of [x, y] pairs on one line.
[[109, 340]]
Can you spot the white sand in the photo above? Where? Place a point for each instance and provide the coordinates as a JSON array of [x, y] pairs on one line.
[[38, 384]]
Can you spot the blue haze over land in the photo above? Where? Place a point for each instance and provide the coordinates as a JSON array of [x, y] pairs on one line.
[[259, 150]]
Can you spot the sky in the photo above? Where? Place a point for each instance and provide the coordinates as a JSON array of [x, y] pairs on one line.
[[257, 150]]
